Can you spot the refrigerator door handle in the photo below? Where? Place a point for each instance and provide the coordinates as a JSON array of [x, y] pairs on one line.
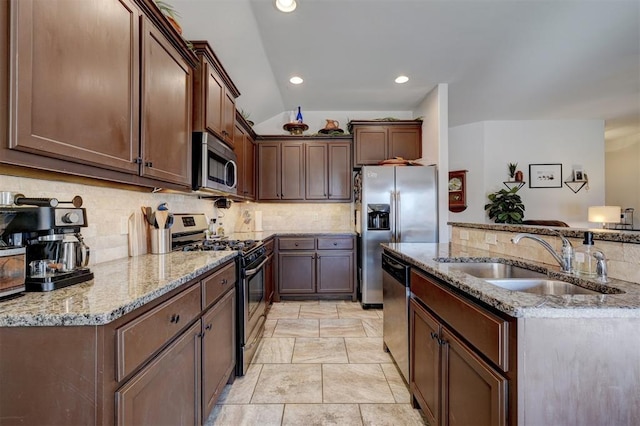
[[398, 230], [392, 220]]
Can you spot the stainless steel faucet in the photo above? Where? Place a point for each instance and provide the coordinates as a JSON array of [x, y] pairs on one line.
[[565, 261]]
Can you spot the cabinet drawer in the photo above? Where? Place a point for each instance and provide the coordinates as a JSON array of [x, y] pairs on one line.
[[218, 283], [137, 340], [335, 243], [296, 243], [485, 331]]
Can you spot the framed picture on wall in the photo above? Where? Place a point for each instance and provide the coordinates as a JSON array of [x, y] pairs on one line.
[[545, 175]]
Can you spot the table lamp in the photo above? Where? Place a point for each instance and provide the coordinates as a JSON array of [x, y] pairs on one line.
[[604, 214]]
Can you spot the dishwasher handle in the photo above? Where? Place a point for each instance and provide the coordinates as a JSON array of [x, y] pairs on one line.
[[398, 270]]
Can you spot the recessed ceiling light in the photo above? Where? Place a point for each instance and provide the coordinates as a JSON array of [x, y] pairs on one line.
[[296, 80], [286, 5], [402, 79]]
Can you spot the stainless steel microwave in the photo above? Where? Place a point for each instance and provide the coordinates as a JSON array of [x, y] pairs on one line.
[[214, 165]]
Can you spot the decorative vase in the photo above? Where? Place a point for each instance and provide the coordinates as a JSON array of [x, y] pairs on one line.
[[519, 176]]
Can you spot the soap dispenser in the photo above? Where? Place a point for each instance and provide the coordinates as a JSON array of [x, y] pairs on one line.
[[584, 260]]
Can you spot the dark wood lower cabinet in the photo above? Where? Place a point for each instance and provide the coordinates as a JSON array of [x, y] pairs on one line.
[[476, 394], [218, 349], [165, 363], [297, 273], [449, 378], [425, 381], [167, 391], [316, 267]]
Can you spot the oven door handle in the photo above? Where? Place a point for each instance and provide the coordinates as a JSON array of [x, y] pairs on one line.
[[250, 272]]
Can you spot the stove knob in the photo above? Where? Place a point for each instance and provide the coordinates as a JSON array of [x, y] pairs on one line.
[[71, 217]]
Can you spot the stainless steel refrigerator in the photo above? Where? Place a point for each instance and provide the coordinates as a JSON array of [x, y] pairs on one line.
[[398, 204]]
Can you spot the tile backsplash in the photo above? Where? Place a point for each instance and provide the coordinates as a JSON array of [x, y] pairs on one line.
[[623, 258], [108, 211]]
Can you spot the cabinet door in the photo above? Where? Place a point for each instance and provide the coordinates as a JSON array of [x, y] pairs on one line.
[[218, 349], [249, 168], [166, 131], [316, 171], [269, 165], [76, 80], [370, 145], [296, 273], [167, 391], [405, 142], [424, 371], [239, 144], [214, 93], [335, 272], [228, 117], [474, 393], [339, 171], [292, 171]]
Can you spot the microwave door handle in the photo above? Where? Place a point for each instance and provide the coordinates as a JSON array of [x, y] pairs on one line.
[[235, 173], [205, 165]]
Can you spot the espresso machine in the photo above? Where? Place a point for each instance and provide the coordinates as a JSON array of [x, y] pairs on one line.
[[55, 253]]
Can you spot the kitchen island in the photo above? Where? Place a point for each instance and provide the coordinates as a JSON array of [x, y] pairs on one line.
[[570, 359]]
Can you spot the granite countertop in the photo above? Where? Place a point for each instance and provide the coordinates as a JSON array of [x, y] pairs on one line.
[[425, 256], [118, 287], [122, 285]]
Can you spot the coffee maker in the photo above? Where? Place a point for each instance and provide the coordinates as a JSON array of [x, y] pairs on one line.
[[56, 255]]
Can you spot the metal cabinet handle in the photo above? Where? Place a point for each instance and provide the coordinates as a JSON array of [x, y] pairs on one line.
[[148, 164], [175, 318], [208, 327]]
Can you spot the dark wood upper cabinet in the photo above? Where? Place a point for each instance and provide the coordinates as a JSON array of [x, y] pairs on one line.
[[340, 182], [281, 170], [166, 106], [269, 166], [77, 85], [108, 100], [4, 75], [214, 107], [304, 169], [316, 176], [245, 149], [375, 141]]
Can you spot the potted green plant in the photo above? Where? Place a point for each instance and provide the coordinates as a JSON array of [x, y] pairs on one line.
[[512, 170], [505, 206]]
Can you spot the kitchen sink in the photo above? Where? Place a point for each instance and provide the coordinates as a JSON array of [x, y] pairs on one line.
[[494, 270], [541, 286]]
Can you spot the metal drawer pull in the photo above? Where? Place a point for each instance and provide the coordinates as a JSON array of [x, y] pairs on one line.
[[175, 318]]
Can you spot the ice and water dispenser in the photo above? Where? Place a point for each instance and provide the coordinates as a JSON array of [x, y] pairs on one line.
[[378, 216]]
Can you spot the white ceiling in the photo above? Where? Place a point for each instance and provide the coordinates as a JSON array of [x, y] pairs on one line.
[[502, 59]]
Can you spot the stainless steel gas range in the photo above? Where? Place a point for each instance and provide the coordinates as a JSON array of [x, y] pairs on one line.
[[188, 234]]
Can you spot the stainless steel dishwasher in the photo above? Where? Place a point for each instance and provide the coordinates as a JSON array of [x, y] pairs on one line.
[[395, 306]]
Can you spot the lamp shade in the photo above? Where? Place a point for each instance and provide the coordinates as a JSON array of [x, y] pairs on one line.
[[604, 214]]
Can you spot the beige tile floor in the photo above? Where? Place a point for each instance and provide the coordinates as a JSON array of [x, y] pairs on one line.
[[319, 363]]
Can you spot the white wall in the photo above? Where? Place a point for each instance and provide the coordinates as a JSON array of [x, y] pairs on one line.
[[466, 152], [622, 171], [572, 143], [316, 120], [435, 147]]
